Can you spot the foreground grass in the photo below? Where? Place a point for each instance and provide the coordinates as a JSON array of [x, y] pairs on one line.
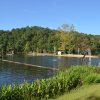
[[87, 92], [63, 81]]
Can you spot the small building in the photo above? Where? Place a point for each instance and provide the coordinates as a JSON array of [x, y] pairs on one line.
[[59, 53]]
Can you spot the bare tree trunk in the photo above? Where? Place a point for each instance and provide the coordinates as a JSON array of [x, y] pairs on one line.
[[83, 58]]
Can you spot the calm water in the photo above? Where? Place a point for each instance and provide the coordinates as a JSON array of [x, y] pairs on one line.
[[14, 73]]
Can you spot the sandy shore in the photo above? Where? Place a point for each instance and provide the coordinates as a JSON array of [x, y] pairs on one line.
[[74, 55], [63, 55]]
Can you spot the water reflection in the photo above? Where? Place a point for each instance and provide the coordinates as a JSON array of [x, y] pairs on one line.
[[53, 61], [13, 73], [89, 63]]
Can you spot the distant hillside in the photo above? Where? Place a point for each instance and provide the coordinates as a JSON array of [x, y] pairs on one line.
[[45, 40]]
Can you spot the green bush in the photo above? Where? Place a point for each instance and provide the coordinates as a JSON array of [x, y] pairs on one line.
[[49, 88]]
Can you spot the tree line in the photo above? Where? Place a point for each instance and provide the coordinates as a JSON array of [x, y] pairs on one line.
[[44, 40]]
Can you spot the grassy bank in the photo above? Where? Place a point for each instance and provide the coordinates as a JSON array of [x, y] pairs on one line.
[[86, 92], [62, 82]]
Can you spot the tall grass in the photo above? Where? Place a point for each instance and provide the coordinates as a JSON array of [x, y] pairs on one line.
[[49, 88]]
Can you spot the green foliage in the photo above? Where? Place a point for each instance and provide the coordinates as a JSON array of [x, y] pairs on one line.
[[29, 39], [45, 40], [49, 88]]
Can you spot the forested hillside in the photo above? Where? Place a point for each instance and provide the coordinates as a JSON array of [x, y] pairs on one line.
[[45, 40]]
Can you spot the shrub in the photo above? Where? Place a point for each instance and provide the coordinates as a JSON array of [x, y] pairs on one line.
[[51, 87]]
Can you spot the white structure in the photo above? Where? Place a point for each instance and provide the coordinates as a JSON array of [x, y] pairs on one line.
[[59, 52]]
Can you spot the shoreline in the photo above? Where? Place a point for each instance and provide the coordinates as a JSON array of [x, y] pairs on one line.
[[63, 55], [79, 56]]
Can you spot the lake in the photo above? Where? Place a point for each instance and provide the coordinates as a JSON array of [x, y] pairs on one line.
[[14, 73]]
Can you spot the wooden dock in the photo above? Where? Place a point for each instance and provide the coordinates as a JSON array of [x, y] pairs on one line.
[[28, 64]]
